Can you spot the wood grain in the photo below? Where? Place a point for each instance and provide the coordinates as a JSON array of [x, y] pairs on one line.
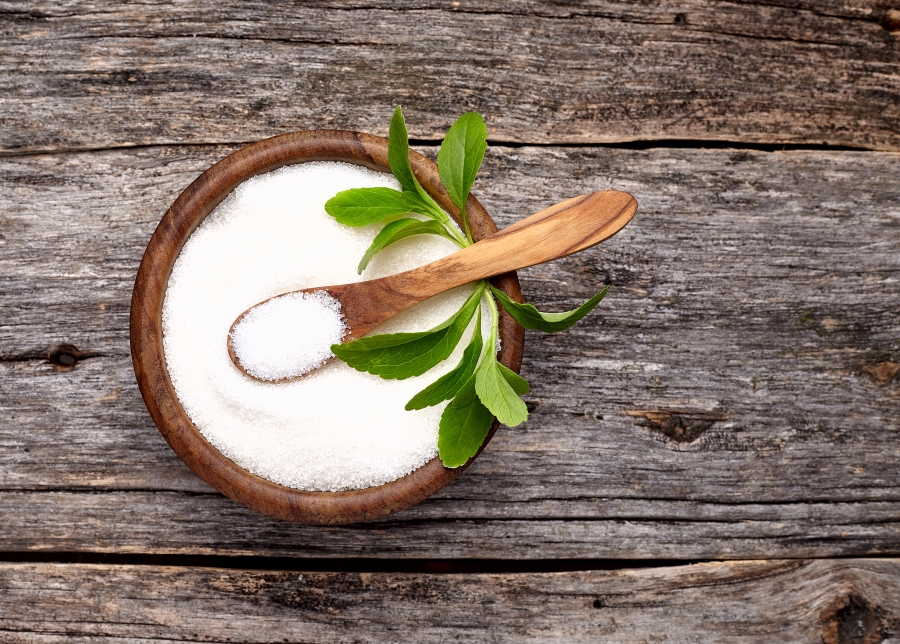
[[751, 299], [845, 601], [87, 75], [458, 522]]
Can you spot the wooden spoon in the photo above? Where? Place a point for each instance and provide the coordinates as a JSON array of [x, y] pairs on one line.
[[560, 230]]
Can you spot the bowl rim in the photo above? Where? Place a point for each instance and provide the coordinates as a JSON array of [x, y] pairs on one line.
[[180, 220]]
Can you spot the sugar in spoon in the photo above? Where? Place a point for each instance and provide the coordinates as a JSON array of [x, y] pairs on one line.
[[557, 231]]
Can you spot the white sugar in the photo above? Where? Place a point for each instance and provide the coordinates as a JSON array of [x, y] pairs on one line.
[[288, 336], [336, 428]]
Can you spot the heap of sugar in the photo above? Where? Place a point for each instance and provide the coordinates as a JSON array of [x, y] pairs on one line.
[[288, 336], [336, 428]]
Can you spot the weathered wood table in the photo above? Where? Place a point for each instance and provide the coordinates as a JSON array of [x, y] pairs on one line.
[[711, 456]]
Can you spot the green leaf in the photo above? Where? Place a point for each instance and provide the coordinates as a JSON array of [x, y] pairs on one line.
[[497, 394], [448, 385], [398, 153], [402, 355], [463, 429], [460, 156], [364, 206], [401, 229], [517, 382], [466, 393], [530, 318], [499, 388], [398, 157]]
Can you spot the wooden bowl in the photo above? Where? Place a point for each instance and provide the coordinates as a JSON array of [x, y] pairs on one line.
[[188, 211]]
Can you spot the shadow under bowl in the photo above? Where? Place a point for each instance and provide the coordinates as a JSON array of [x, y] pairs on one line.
[[176, 226]]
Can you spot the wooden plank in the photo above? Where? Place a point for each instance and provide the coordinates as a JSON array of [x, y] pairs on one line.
[[93, 75], [732, 397], [464, 521], [846, 601]]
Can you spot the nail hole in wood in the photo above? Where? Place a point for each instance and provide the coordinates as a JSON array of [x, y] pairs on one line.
[[65, 357], [680, 19]]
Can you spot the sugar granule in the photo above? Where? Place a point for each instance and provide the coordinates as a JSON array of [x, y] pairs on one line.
[[336, 428], [288, 336]]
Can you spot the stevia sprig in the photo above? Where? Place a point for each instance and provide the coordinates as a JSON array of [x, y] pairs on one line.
[[479, 388], [364, 206]]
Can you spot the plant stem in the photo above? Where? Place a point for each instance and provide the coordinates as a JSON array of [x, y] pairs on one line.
[[444, 218], [495, 315], [462, 241], [459, 242], [465, 218]]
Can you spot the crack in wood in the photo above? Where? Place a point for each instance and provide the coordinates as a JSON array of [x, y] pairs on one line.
[[64, 357]]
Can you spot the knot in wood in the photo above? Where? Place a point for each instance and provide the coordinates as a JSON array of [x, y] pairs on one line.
[[891, 22], [853, 623], [883, 372], [680, 425]]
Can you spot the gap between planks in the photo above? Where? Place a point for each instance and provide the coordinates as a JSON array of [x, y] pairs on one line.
[[365, 565], [356, 565], [624, 144]]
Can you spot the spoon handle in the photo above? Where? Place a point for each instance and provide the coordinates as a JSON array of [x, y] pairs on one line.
[[560, 230]]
